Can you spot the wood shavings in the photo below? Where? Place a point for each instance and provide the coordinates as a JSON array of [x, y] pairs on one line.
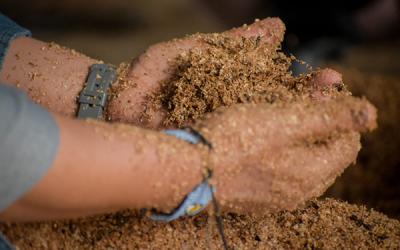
[[226, 73], [328, 224]]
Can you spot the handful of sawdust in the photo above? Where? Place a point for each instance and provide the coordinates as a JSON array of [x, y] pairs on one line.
[[224, 72]]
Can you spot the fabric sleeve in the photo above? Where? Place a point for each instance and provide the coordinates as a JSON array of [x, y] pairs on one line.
[[29, 142], [8, 32]]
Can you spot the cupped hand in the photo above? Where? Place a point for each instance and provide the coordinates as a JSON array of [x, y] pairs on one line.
[[271, 157], [129, 103], [148, 70]]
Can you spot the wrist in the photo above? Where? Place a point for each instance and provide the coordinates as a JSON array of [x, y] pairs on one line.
[[121, 83], [170, 187], [199, 196]]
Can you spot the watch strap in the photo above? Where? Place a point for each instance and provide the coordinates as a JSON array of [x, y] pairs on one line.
[[93, 97]]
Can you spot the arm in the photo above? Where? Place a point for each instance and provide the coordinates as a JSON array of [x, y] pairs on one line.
[[102, 167], [51, 76]]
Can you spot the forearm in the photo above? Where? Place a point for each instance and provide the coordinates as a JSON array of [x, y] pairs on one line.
[[102, 167], [50, 75]]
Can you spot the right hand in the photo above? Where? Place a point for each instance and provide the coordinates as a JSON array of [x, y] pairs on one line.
[[268, 158]]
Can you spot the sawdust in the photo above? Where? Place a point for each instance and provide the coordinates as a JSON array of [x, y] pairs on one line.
[[224, 72], [374, 180], [328, 224]]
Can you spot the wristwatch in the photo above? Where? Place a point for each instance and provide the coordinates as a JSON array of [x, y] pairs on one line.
[[93, 97]]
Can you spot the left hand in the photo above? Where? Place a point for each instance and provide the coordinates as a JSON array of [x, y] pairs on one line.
[[145, 74]]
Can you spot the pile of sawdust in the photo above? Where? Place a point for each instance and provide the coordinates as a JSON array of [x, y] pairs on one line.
[[223, 72], [374, 180], [326, 224]]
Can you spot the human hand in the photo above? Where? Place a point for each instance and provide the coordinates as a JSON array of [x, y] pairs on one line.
[[129, 102], [271, 157], [145, 73]]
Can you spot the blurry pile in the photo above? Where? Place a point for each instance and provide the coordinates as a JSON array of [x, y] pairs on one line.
[[374, 180]]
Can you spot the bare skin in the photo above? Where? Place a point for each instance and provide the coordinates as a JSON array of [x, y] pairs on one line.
[[139, 168]]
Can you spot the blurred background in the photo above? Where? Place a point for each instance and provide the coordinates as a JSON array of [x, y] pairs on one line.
[[118, 30], [358, 38], [110, 30]]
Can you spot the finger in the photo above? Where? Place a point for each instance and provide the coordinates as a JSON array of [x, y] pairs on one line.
[[289, 177], [248, 127], [344, 115], [323, 79]]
